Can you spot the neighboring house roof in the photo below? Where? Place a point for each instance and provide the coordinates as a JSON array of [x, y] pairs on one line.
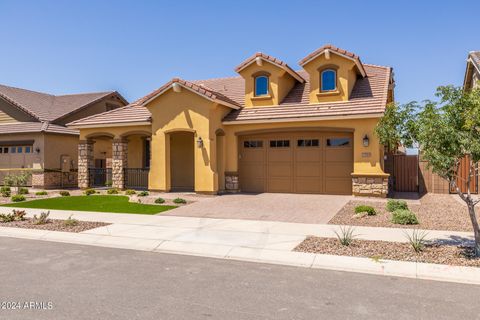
[[201, 90], [31, 127], [130, 114], [335, 50], [473, 66], [47, 107], [273, 60]]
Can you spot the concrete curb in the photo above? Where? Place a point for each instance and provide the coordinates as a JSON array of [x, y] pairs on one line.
[[468, 275]]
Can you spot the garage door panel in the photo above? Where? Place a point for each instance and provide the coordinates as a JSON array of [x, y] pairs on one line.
[[308, 185], [335, 170], [252, 155], [254, 170], [308, 155], [338, 186], [280, 169], [338, 154], [279, 184], [308, 169], [279, 155]]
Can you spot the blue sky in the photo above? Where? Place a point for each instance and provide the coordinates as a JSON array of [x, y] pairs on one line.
[[136, 46]]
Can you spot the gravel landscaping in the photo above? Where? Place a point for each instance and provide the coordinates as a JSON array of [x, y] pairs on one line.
[[432, 253], [54, 225], [435, 212]]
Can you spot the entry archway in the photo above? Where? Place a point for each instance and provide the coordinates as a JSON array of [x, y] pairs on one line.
[[182, 161]]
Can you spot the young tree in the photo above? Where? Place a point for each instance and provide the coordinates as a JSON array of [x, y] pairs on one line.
[[449, 132], [397, 126], [17, 180]]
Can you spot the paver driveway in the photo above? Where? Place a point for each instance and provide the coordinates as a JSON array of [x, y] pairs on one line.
[[300, 208]]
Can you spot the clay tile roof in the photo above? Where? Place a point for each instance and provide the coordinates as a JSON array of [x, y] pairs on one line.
[[30, 127], [368, 98], [47, 107], [271, 59], [330, 47], [195, 87], [126, 114]]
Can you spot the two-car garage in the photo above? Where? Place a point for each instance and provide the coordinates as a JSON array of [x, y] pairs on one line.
[[296, 162]]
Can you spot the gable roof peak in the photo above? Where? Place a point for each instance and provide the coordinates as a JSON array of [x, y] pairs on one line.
[[271, 59], [335, 50]]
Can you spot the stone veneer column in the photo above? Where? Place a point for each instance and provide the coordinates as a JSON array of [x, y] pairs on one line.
[[231, 182], [376, 186], [85, 161], [119, 162]]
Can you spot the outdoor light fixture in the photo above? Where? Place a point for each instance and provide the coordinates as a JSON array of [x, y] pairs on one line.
[[37, 150], [366, 141], [200, 142]]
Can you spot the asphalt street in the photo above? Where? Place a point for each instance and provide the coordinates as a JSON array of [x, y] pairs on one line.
[[48, 280]]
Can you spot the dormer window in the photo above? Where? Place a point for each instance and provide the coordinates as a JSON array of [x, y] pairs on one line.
[[328, 80], [261, 86]]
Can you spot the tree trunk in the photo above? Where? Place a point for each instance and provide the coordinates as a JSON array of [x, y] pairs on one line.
[[476, 229]]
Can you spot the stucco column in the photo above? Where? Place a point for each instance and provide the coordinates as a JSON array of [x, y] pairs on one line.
[[85, 161], [119, 162]]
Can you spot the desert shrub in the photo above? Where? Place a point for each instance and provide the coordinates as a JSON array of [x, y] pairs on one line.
[[18, 198], [130, 192], [64, 193], [346, 235], [393, 205], [417, 240], [112, 191], [7, 217], [143, 194], [19, 215], [108, 184], [5, 191], [179, 201], [369, 210], [159, 200], [42, 219], [402, 216], [41, 193], [88, 192], [70, 222], [23, 190]]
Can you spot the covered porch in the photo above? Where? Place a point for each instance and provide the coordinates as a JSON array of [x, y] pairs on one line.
[[117, 158]]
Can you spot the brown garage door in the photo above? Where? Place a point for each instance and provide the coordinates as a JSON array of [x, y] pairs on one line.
[[300, 162]]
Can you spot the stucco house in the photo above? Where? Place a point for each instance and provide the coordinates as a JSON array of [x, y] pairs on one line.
[[33, 135], [472, 73], [269, 129]]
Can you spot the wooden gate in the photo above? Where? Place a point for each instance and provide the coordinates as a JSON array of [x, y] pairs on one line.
[[463, 176], [404, 172]]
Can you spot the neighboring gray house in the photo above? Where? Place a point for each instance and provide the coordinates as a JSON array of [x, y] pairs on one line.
[[33, 135]]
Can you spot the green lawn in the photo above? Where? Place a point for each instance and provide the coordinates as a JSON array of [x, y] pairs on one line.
[[100, 203]]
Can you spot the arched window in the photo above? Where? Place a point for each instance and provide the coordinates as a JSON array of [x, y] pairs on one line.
[[328, 80], [261, 86]]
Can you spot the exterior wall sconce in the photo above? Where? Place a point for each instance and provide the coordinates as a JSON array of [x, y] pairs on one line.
[[366, 141], [199, 142], [37, 150]]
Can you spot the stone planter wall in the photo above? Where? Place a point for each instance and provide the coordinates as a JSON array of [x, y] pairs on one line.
[[369, 186], [231, 182], [54, 179]]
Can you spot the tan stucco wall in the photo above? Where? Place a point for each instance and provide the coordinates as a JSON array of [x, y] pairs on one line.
[[56, 146], [346, 77], [184, 111], [280, 83]]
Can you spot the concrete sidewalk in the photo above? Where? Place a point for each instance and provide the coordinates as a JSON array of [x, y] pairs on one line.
[[248, 240]]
